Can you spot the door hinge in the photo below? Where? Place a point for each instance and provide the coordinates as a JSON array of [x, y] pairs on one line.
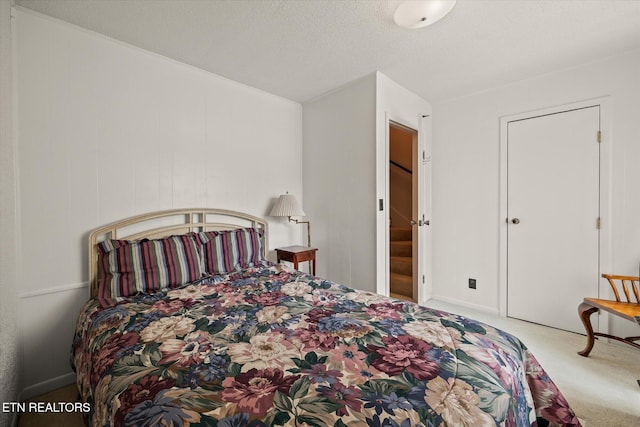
[[423, 278], [598, 223], [599, 136]]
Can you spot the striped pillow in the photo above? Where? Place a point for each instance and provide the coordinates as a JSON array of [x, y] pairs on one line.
[[226, 251], [129, 267]]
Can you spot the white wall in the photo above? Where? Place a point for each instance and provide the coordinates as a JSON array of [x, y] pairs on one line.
[[396, 103], [9, 337], [466, 173], [106, 131], [344, 163], [339, 175]]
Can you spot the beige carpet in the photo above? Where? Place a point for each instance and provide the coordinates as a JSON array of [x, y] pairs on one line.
[[602, 389], [65, 394]]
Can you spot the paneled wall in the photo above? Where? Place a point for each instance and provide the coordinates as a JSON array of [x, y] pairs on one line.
[[106, 131], [9, 338]]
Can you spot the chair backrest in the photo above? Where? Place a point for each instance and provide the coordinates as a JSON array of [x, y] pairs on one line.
[[627, 284]]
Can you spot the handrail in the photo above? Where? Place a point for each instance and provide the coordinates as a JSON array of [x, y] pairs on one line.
[[400, 166], [400, 215]]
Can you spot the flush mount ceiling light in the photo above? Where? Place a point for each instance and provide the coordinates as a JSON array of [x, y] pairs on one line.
[[420, 13]]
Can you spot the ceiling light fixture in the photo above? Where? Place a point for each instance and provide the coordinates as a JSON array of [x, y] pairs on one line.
[[420, 13]]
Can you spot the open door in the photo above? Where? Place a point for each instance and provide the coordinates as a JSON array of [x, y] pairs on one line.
[[403, 212]]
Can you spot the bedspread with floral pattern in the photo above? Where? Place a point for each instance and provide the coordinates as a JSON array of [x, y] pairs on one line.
[[274, 346]]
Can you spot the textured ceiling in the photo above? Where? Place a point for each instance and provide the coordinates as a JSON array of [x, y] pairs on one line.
[[299, 49]]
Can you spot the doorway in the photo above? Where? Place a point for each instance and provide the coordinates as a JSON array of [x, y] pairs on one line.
[[403, 212], [553, 215]]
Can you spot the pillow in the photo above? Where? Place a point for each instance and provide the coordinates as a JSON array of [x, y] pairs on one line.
[[129, 267], [226, 251]]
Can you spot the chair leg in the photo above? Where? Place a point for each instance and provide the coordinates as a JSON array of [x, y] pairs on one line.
[[585, 311]]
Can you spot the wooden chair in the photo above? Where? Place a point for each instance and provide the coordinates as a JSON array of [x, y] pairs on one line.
[[627, 309]]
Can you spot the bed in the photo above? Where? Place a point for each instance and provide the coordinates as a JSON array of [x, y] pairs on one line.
[[215, 335]]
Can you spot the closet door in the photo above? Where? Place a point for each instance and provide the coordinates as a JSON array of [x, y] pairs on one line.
[[553, 216]]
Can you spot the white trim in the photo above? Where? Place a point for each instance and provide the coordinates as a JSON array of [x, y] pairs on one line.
[[605, 191], [502, 228], [422, 205], [461, 303], [48, 385], [54, 290], [425, 265], [383, 287]]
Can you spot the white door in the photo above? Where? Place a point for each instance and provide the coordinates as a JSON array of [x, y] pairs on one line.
[[553, 210]]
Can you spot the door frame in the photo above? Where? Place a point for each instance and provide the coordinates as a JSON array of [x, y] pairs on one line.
[[606, 217], [423, 163]]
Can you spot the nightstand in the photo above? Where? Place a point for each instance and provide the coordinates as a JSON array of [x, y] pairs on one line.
[[297, 254]]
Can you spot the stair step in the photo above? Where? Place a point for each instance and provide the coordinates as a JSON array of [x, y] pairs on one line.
[[401, 248], [401, 284], [402, 297], [401, 264], [400, 233]]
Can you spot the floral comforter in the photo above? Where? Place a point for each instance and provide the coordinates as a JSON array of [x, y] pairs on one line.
[[273, 346]]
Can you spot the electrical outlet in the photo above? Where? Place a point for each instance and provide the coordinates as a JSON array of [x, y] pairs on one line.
[[472, 283]]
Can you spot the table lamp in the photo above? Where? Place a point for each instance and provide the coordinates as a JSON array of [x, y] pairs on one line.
[[287, 205]]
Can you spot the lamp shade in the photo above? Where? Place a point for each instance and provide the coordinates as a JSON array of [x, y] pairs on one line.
[[287, 205]]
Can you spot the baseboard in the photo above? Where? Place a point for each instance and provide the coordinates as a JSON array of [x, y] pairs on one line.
[[47, 386], [424, 299], [481, 308]]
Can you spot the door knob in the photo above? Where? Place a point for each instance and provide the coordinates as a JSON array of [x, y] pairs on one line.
[[419, 223], [515, 220]]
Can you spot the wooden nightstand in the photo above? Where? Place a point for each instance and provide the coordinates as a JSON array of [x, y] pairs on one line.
[[297, 254]]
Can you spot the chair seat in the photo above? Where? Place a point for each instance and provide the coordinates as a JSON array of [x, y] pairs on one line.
[[627, 310]]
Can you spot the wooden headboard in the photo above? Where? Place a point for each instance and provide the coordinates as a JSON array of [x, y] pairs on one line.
[[166, 223]]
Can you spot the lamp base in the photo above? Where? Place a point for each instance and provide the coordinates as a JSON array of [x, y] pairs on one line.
[[308, 229]]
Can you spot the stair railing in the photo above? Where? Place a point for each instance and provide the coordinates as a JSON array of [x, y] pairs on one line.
[[398, 166]]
